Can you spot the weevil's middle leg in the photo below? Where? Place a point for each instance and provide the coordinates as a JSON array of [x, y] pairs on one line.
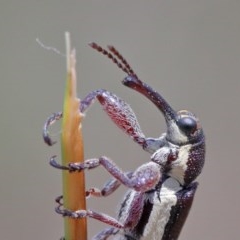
[[87, 164], [108, 188], [118, 110], [143, 179]]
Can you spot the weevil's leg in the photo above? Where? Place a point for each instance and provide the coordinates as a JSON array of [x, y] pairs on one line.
[[105, 234], [108, 188], [119, 112], [87, 164], [86, 213], [89, 213], [59, 199], [165, 156], [52, 119], [151, 145], [55, 164], [143, 179], [134, 212]]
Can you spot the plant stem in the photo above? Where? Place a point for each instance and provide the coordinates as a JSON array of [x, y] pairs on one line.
[[72, 151]]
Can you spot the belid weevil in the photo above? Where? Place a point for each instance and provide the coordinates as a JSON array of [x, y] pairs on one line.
[[161, 191]]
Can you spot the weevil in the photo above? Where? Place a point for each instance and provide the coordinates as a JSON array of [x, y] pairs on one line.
[[161, 191]]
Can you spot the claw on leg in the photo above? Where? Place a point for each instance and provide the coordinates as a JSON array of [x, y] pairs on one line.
[[73, 167], [52, 119], [55, 164]]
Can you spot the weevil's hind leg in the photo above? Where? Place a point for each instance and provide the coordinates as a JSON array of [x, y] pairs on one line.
[[105, 234], [86, 213], [91, 214], [118, 110]]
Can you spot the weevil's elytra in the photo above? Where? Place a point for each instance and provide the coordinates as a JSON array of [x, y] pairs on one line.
[[161, 191]]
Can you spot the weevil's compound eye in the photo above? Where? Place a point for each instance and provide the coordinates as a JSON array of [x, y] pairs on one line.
[[187, 124]]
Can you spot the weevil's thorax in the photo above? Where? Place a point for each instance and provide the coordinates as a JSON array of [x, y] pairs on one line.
[[186, 135]]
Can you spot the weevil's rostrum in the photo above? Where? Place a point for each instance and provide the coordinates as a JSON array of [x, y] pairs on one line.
[[161, 191]]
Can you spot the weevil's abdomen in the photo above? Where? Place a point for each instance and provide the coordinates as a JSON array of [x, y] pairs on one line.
[[163, 212]]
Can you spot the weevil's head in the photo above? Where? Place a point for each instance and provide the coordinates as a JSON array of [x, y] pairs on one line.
[[183, 127], [184, 133]]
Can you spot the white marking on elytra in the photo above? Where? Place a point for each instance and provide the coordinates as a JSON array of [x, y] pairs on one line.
[[160, 213]]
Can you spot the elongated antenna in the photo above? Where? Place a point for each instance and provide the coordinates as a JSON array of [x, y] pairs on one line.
[[133, 82], [116, 57]]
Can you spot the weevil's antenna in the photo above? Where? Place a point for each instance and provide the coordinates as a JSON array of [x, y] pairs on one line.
[[122, 59], [116, 57]]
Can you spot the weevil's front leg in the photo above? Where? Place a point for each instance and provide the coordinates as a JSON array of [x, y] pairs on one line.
[[151, 145], [120, 113], [165, 156], [51, 120], [118, 110]]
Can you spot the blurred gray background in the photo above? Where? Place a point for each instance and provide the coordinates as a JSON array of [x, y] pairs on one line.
[[189, 50]]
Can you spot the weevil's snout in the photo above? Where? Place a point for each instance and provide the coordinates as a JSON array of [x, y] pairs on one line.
[[184, 128]]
